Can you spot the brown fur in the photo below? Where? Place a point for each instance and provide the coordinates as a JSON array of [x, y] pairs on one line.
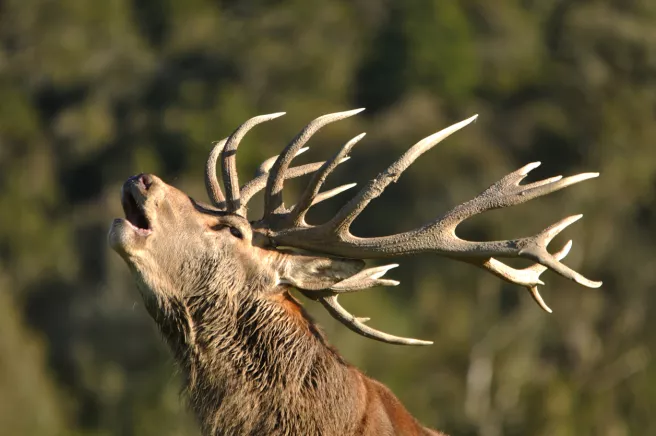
[[254, 362]]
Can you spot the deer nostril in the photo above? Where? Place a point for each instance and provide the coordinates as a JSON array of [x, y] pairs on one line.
[[147, 180]]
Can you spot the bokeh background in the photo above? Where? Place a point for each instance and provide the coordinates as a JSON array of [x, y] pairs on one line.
[[92, 92]]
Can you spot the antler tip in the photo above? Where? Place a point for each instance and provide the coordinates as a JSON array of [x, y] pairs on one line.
[[463, 123], [588, 283], [529, 167], [538, 299], [564, 251], [381, 271], [581, 177], [262, 118], [301, 151], [341, 115]]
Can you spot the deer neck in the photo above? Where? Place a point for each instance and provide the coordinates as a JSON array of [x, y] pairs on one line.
[[253, 364]]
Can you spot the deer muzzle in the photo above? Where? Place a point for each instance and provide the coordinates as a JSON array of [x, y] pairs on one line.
[[130, 232]]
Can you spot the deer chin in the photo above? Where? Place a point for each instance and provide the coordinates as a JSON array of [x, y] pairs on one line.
[[125, 238]]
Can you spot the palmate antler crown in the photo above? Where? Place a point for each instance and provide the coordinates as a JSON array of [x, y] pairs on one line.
[[286, 226]]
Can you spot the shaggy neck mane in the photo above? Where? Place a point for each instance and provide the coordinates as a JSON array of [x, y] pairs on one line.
[[255, 365]]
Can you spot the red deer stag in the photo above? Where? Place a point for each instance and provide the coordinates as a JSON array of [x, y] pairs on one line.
[[218, 286]]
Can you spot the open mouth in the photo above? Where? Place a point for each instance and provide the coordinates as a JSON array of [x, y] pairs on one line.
[[134, 213]]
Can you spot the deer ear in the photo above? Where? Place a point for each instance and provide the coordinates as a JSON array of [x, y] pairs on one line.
[[314, 273]]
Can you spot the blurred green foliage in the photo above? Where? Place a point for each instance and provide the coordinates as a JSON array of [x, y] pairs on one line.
[[92, 92]]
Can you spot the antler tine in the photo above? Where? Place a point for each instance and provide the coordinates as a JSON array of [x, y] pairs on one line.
[[322, 196], [266, 166], [228, 157], [508, 192], [364, 279], [342, 221], [528, 277], [258, 183], [297, 215], [535, 248], [211, 182], [262, 173], [367, 278], [273, 197], [357, 324]]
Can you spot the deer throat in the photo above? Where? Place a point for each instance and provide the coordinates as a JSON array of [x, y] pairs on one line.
[[247, 357]]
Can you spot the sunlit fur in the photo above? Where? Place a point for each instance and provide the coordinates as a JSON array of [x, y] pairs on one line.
[[253, 361]]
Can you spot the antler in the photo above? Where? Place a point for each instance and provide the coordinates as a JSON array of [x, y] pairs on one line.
[[287, 227], [275, 169], [211, 182], [259, 181]]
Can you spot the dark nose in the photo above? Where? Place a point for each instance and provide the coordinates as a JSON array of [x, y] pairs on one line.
[[146, 180]]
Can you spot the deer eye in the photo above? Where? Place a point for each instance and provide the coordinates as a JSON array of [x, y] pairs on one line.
[[236, 233], [233, 230]]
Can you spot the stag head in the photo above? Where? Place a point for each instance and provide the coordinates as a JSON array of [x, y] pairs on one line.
[[176, 246]]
